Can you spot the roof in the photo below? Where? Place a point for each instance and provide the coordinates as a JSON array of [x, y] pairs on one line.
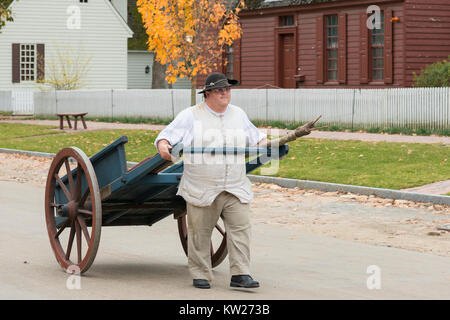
[[11, 3], [120, 18], [263, 4]]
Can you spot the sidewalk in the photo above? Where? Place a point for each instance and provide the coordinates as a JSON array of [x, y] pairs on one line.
[[333, 135]]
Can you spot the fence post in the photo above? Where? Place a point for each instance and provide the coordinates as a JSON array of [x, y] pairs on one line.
[[448, 110], [56, 102], [173, 108], [353, 107], [112, 104], [267, 106]]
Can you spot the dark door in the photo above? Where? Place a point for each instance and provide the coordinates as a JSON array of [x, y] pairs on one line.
[[287, 61]]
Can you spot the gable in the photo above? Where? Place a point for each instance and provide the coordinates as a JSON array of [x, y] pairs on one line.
[[119, 17], [108, 4]]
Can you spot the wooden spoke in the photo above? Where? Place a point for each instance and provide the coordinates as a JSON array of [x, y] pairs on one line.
[[56, 205], [66, 224], [63, 187], [72, 235], [83, 198], [69, 176], [78, 232], [84, 229], [78, 183], [217, 255], [83, 211]]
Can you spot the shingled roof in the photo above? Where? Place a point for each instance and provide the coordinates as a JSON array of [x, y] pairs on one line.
[[263, 4]]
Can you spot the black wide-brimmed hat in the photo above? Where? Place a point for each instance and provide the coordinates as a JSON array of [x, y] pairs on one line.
[[218, 80]]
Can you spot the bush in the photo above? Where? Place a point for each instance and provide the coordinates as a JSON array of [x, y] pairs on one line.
[[434, 75]]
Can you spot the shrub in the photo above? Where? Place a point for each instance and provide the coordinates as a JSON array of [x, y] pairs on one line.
[[434, 75]]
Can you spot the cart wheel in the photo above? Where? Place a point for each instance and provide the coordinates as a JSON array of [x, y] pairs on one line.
[[216, 256], [73, 204]]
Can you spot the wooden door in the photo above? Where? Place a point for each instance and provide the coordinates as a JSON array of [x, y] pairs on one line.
[[287, 60]]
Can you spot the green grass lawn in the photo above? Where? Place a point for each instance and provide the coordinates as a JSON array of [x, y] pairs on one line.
[[374, 164], [139, 146], [13, 130], [382, 164]]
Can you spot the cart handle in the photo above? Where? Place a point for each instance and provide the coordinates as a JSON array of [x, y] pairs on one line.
[[179, 149]]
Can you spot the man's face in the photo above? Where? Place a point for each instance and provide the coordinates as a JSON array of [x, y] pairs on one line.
[[219, 97]]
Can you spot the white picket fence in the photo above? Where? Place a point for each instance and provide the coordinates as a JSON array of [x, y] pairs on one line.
[[22, 102], [402, 107], [5, 101]]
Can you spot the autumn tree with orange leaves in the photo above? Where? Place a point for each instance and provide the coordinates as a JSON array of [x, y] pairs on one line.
[[190, 36]]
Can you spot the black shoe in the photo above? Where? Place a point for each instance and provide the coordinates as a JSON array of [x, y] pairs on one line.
[[243, 281], [202, 284]]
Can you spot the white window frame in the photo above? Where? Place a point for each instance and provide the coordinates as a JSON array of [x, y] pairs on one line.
[[28, 65]]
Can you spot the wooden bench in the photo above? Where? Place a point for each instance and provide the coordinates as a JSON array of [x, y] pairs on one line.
[[68, 115]]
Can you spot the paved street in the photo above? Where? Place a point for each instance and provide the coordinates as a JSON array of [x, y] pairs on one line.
[[148, 263]]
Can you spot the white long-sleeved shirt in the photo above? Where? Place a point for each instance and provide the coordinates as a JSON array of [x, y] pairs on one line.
[[181, 129]]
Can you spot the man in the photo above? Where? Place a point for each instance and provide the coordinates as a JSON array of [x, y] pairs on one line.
[[215, 185]]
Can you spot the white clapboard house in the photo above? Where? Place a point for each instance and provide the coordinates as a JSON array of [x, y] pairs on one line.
[[43, 31], [87, 30]]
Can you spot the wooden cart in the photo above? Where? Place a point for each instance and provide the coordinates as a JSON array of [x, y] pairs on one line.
[[84, 194]]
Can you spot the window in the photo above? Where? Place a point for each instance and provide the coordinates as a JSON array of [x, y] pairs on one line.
[[27, 62], [377, 50], [286, 21], [332, 47], [229, 58]]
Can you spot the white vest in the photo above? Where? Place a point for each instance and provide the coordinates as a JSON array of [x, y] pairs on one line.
[[206, 175]]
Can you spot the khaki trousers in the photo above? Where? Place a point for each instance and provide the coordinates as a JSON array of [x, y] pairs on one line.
[[201, 223]]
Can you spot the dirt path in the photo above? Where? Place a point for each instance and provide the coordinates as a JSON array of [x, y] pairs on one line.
[[367, 219], [437, 188]]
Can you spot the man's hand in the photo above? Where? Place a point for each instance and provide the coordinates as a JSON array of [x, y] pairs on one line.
[[262, 142], [164, 150]]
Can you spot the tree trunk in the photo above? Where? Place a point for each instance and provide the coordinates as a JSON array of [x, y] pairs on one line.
[[159, 75], [193, 90]]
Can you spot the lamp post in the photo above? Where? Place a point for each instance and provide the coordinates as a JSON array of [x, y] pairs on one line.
[[189, 38]]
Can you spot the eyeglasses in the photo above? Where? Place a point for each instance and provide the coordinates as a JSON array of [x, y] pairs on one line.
[[221, 90]]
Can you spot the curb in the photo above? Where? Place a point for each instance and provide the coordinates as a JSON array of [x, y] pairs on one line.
[[333, 187], [304, 184], [28, 153]]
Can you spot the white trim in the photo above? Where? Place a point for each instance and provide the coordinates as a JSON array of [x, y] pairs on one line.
[[122, 20], [11, 4], [25, 62], [140, 51]]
